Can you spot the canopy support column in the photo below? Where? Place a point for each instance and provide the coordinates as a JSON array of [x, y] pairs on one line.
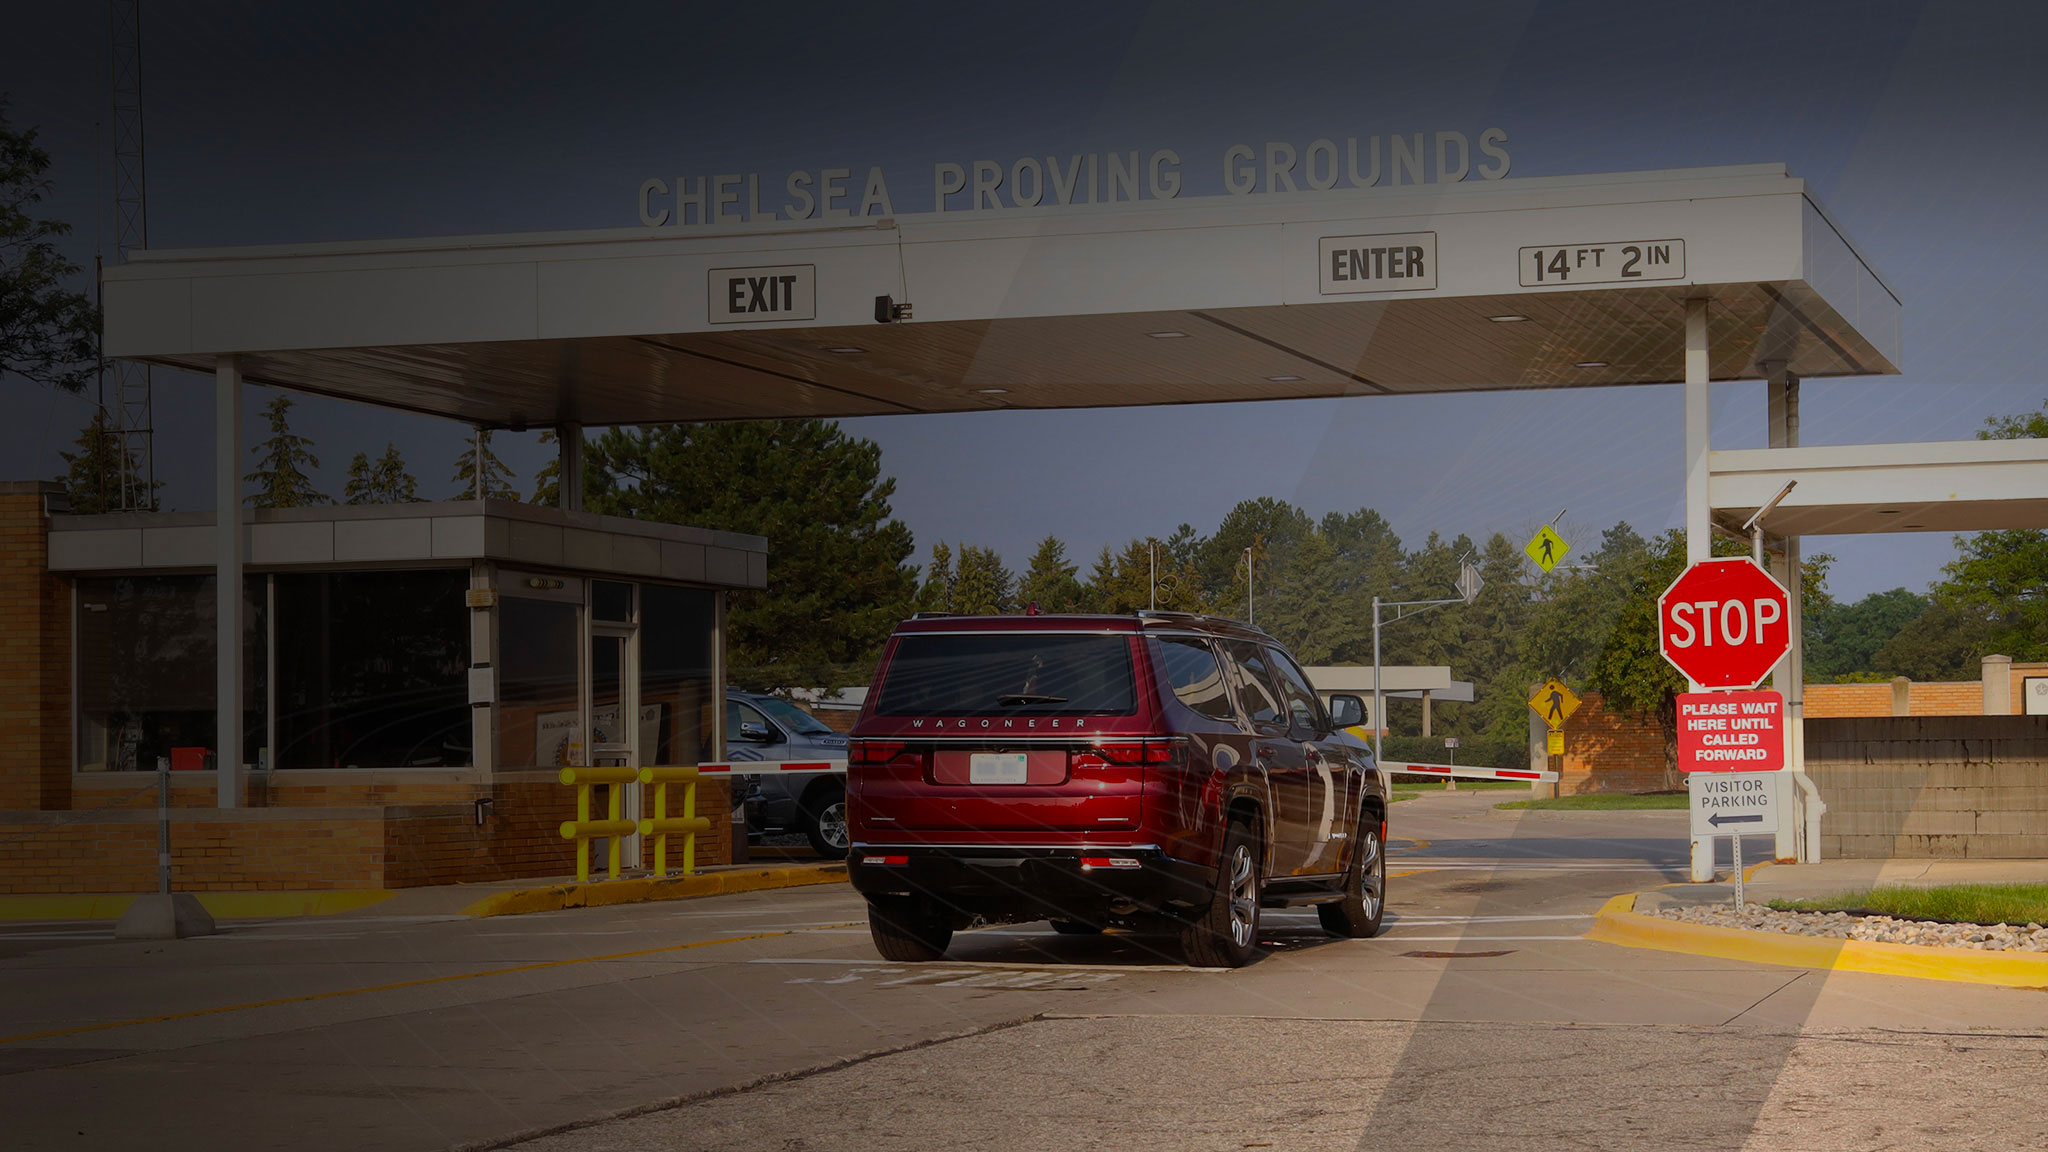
[[569, 486], [227, 581], [1699, 540], [1796, 839]]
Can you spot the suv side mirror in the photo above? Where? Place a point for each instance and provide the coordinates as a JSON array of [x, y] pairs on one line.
[[1346, 710], [755, 733]]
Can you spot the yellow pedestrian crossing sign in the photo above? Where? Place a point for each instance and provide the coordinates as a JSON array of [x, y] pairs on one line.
[[1555, 703], [1547, 548]]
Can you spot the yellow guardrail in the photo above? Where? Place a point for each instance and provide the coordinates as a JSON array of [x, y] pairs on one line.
[[662, 825], [583, 829]]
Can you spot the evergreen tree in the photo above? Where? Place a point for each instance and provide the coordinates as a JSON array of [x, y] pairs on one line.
[[93, 480], [1299, 611], [48, 332], [837, 581], [282, 462], [547, 483], [1142, 576], [984, 586], [1050, 582], [936, 595], [495, 484], [384, 482]]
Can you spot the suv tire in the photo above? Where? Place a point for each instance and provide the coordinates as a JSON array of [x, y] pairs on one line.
[[1358, 915], [1076, 928], [1226, 933], [824, 819], [908, 929]]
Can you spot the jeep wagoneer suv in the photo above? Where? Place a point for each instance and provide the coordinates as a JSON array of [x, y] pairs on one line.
[[1157, 771]]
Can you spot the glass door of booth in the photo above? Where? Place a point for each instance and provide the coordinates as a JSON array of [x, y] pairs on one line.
[[613, 718]]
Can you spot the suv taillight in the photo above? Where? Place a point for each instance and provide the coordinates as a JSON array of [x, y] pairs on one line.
[[1137, 754], [872, 751]]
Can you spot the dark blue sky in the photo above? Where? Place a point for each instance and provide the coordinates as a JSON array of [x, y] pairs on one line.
[[1921, 127]]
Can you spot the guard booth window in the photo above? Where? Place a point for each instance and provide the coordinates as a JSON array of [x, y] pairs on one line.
[[146, 672]]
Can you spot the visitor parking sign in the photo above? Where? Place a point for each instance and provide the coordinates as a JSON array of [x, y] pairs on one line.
[[1734, 804]]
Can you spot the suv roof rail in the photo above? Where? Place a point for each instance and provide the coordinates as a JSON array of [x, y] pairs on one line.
[[1207, 617], [931, 615]]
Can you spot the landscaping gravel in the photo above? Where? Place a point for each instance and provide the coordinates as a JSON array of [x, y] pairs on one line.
[[1883, 929]]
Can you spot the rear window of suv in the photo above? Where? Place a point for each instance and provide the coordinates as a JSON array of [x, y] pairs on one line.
[[1013, 673]]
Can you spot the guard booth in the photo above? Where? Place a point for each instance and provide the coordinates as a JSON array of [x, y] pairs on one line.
[[1672, 277]]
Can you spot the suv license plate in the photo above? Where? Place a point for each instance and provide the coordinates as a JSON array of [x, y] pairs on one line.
[[996, 768]]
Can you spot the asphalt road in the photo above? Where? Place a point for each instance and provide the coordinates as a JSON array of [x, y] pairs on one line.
[[1478, 1019]]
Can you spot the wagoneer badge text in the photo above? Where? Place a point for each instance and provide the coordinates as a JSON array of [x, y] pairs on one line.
[[1027, 723]]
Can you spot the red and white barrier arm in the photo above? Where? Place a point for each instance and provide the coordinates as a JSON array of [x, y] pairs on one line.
[[766, 767], [1468, 772]]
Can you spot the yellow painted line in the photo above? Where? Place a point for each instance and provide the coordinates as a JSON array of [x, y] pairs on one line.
[[604, 893], [1619, 923], [1410, 872], [221, 905], [1413, 845], [431, 980]]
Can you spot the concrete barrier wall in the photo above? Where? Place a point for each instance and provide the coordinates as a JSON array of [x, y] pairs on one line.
[[1932, 786]]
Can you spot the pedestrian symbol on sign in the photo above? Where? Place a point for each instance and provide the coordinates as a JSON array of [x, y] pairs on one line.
[[1547, 548]]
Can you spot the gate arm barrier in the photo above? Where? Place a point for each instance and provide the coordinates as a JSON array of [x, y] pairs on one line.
[[662, 826], [583, 829], [1468, 772], [767, 767]]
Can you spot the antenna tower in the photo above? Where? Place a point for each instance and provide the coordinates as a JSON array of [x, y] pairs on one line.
[[133, 421]]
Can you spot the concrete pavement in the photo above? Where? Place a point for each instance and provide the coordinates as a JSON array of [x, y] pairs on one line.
[[765, 1020]]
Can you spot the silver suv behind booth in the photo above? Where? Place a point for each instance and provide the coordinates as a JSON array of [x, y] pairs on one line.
[[763, 727]]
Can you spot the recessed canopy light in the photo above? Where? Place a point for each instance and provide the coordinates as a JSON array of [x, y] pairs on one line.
[[1889, 511], [1510, 318], [1167, 335], [993, 391], [846, 351], [1592, 364], [1912, 525], [1283, 379]]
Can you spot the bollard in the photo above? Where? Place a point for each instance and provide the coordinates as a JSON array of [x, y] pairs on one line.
[[583, 828], [661, 827]]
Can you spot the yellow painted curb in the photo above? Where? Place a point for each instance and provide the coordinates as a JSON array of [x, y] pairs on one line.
[[604, 893], [223, 905], [1619, 923]]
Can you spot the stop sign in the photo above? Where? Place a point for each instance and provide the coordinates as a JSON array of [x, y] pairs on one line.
[[1724, 623]]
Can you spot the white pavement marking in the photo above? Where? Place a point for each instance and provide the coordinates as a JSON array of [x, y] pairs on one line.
[[998, 965]]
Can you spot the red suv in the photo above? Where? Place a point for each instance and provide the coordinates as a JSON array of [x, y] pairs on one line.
[[1160, 770]]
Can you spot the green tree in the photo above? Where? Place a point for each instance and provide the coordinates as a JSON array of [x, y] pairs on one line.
[[384, 481], [1299, 611], [1143, 576], [1050, 581], [547, 483], [1272, 529], [92, 482], [1843, 640], [496, 482], [282, 463], [48, 332], [1994, 597], [984, 586], [837, 577], [936, 594]]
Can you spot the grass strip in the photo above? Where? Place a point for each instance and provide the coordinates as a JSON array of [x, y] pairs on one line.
[[2018, 904], [1602, 802]]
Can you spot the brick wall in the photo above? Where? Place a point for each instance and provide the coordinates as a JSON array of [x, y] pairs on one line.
[[35, 656], [1607, 751], [1934, 786], [242, 850]]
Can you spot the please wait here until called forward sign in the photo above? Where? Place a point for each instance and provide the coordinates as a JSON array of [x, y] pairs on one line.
[[1731, 732]]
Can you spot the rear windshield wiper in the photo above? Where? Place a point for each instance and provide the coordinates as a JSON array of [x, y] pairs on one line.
[[1013, 699]]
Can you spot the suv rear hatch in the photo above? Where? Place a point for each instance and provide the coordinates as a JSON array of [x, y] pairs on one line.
[[1013, 731]]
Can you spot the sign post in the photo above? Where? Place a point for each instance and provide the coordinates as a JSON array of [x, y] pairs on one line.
[[1724, 624]]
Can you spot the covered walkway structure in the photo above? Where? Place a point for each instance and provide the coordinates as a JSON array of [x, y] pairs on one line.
[[1684, 277]]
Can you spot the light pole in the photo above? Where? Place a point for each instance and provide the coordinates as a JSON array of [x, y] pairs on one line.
[[1469, 584]]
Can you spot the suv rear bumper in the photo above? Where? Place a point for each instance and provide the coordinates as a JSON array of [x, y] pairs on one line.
[[1002, 883]]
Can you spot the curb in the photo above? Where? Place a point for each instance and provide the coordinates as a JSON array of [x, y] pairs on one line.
[[1619, 923], [605, 893], [220, 905]]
